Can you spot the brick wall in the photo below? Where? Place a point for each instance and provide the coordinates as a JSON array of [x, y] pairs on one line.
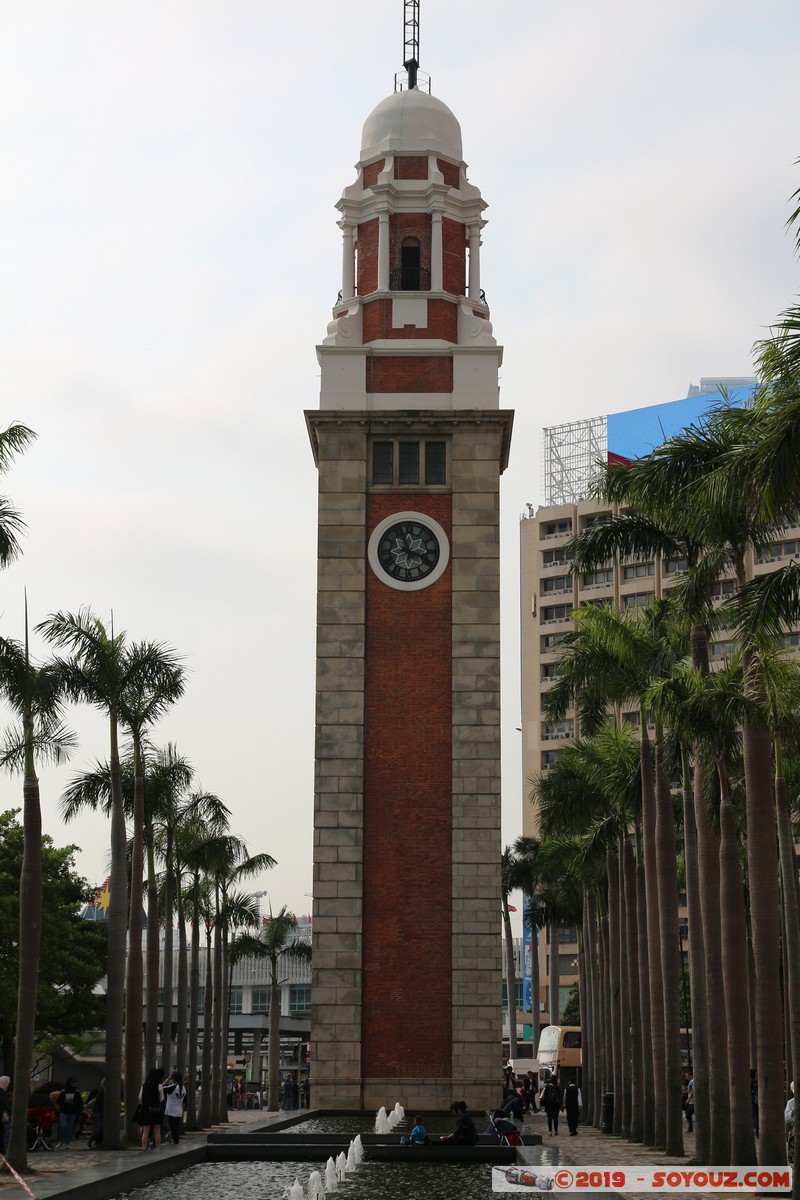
[[442, 322], [407, 924], [371, 173], [450, 173], [409, 373], [367, 257], [411, 166], [454, 253]]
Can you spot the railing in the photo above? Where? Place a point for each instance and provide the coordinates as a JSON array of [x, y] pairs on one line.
[[401, 280]]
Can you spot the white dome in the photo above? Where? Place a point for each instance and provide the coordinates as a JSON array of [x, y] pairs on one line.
[[411, 121]]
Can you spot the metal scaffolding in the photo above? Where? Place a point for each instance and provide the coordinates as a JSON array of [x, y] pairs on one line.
[[570, 457]]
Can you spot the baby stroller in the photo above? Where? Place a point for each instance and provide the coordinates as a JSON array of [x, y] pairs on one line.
[[504, 1130], [42, 1117]]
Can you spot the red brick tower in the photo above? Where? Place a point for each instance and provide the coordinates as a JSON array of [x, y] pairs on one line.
[[410, 443]]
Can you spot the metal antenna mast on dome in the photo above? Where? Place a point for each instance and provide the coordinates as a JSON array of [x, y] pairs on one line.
[[411, 41]]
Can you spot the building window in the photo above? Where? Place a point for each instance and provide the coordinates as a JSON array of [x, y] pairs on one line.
[[638, 570], [595, 519], [675, 564], [300, 997], [557, 583], [559, 729], [722, 649], [409, 463], [549, 671], [435, 463], [556, 612], [790, 549], [399, 463], [552, 558], [632, 718], [636, 599], [553, 528], [550, 758], [723, 587], [382, 462], [593, 578], [235, 997], [770, 553], [567, 934], [260, 1002], [518, 989], [551, 641]]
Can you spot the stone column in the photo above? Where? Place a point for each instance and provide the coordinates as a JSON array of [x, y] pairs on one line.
[[437, 266], [474, 292], [348, 263], [383, 252]]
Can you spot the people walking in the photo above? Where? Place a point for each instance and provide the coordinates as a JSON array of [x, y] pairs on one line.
[[573, 1107], [151, 1108], [689, 1107], [550, 1100], [69, 1103], [175, 1093]]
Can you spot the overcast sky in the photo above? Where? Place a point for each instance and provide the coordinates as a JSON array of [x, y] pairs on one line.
[[168, 261]]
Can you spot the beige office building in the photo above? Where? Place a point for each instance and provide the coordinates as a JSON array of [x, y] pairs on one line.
[[549, 595]]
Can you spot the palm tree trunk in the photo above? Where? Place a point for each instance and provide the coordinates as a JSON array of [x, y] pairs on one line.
[[225, 998], [153, 959], [210, 1003], [30, 933], [713, 1142], [117, 952], [605, 1000], [134, 974], [645, 1022], [511, 982], [791, 922], [655, 982], [697, 960], [587, 961], [595, 1048], [712, 1121], [535, 988], [764, 915], [216, 1039], [194, 1017], [274, 1048], [614, 959], [554, 977], [632, 1017], [625, 967], [670, 952], [183, 989], [169, 937], [734, 966]]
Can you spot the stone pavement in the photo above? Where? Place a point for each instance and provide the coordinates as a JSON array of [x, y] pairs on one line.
[[50, 1172], [591, 1148]]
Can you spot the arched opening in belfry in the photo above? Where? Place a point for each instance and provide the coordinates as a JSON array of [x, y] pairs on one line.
[[410, 265]]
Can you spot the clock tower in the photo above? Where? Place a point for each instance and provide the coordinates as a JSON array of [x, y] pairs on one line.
[[410, 442]]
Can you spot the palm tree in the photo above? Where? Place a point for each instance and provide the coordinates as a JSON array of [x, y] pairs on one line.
[[35, 696], [156, 680], [527, 878], [277, 942], [99, 671], [13, 440]]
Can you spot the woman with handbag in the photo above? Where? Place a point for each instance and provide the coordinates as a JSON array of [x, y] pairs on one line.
[[151, 1108]]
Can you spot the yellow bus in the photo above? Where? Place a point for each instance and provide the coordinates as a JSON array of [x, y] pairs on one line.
[[560, 1053]]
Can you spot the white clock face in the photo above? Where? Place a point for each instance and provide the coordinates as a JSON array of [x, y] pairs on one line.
[[408, 551]]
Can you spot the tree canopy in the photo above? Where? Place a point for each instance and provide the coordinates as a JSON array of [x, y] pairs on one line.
[[73, 951]]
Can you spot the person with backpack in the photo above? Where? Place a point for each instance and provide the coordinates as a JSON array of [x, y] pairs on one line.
[[550, 1100], [175, 1093], [69, 1103]]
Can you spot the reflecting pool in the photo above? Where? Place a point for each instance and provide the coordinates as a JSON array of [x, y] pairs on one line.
[[370, 1181]]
